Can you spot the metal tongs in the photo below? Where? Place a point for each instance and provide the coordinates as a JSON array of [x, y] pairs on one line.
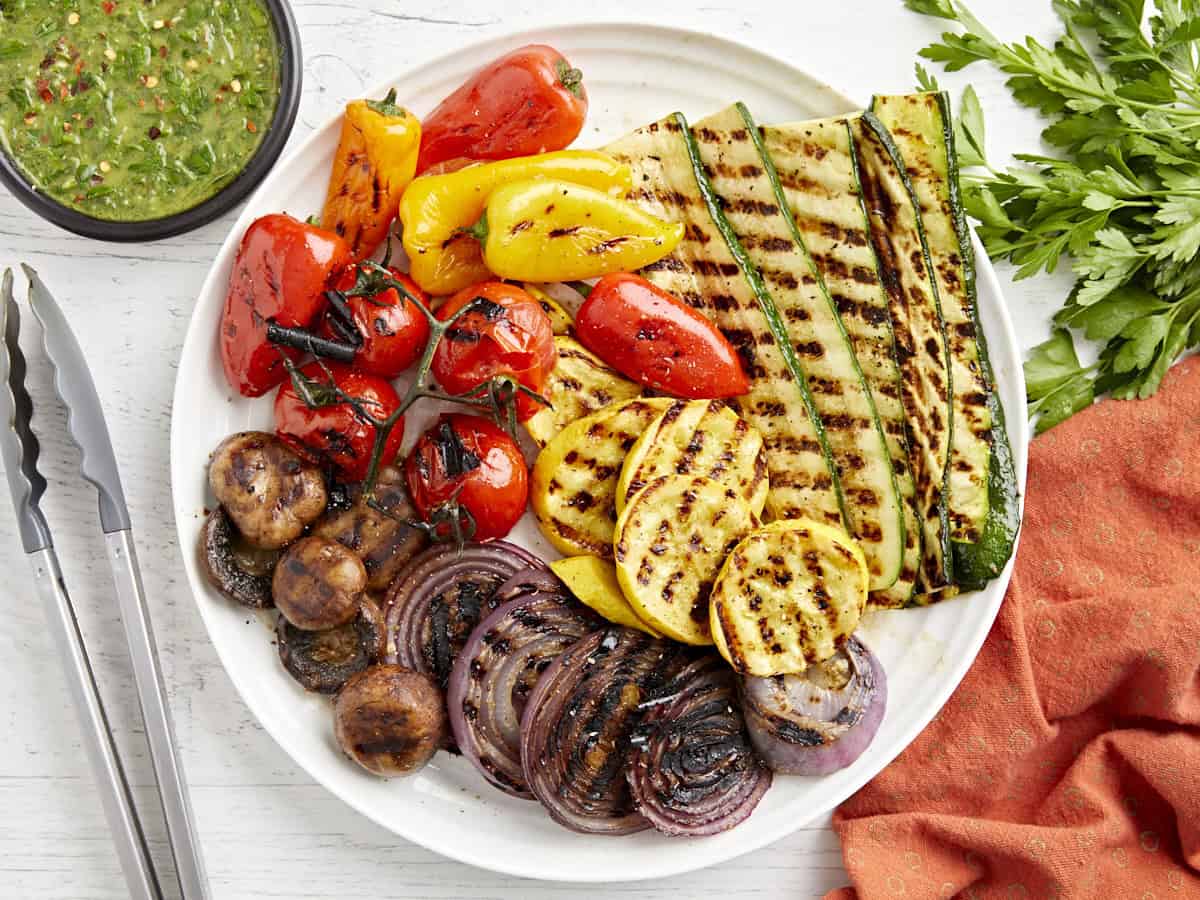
[[19, 448]]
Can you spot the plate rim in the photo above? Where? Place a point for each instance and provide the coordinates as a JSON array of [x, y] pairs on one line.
[[531, 867]]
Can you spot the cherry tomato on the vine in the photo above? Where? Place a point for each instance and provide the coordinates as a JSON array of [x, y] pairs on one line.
[[467, 460], [509, 334], [393, 332], [334, 431]]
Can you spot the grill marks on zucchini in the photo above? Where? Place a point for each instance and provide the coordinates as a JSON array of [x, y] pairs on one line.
[[899, 240], [815, 166], [710, 272], [744, 179], [580, 384], [921, 126]]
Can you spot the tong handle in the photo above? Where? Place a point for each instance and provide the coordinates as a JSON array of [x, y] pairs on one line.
[[111, 782], [156, 715]]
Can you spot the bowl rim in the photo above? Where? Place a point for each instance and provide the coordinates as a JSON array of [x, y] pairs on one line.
[[291, 72]]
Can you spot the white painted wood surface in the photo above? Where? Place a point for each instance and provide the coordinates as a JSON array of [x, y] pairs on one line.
[[266, 829]]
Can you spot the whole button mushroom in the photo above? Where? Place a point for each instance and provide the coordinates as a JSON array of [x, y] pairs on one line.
[[318, 584], [390, 720]]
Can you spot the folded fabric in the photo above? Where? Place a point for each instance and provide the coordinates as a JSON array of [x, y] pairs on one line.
[[1067, 763]]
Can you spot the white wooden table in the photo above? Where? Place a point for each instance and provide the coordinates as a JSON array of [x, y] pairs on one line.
[[266, 828]]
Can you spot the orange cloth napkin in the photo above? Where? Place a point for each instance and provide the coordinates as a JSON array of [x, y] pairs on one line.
[[1067, 764]]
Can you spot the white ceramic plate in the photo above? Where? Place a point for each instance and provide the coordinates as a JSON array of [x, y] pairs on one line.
[[635, 74]]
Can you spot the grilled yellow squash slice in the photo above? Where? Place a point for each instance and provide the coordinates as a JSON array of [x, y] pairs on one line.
[[670, 542], [561, 321], [594, 583], [701, 437], [580, 384], [788, 595], [574, 482]]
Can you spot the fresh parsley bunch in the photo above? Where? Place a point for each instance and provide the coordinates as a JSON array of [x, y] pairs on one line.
[[1123, 201]]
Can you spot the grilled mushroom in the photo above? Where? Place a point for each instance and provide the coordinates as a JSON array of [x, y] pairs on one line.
[[318, 584], [236, 571], [378, 532], [390, 720], [269, 492], [322, 661]]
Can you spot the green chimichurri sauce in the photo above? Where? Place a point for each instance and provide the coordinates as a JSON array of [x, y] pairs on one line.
[[131, 110]]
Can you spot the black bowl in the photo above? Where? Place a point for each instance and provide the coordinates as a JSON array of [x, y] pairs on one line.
[[291, 68]]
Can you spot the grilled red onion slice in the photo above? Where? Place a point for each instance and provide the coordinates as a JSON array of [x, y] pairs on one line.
[[576, 727], [822, 720], [500, 664], [692, 770], [436, 602]]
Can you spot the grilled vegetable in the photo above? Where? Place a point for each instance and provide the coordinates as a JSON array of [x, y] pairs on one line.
[[821, 720], [322, 661], [549, 230], [752, 200], [692, 770], [269, 492], [580, 384], [656, 339], [222, 551], [390, 720], [923, 131], [594, 583], [816, 169], [899, 241], [709, 271], [670, 543], [318, 584], [389, 331], [436, 210], [698, 437], [574, 481], [375, 160], [561, 321], [789, 595]]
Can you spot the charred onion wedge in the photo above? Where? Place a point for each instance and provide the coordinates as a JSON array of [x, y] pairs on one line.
[[318, 584], [500, 664], [822, 720], [269, 492], [441, 596], [322, 661], [692, 770], [390, 720], [378, 532], [576, 727], [224, 563]]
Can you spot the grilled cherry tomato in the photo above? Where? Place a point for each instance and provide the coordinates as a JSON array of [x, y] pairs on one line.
[[530, 101], [392, 331], [468, 460], [510, 334], [334, 431], [647, 335], [279, 275]]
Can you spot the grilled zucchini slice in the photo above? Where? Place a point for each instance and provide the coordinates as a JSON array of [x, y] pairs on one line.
[[788, 595], [752, 200], [594, 583], [709, 271], [815, 167], [670, 543], [561, 321], [899, 240], [924, 134], [698, 437], [573, 488], [580, 384]]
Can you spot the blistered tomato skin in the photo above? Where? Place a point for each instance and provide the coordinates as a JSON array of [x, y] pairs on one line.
[[337, 434], [282, 269], [648, 335], [393, 332]]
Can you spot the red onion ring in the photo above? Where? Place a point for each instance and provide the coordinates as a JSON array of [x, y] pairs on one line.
[[499, 666], [576, 726], [692, 770], [437, 600], [821, 720]]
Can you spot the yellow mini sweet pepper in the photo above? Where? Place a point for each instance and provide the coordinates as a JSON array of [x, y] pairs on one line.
[[549, 230], [375, 161], [436, 210]]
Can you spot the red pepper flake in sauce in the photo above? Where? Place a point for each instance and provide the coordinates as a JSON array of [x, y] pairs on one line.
[[108, 6], [155, 133], [251, 127]]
